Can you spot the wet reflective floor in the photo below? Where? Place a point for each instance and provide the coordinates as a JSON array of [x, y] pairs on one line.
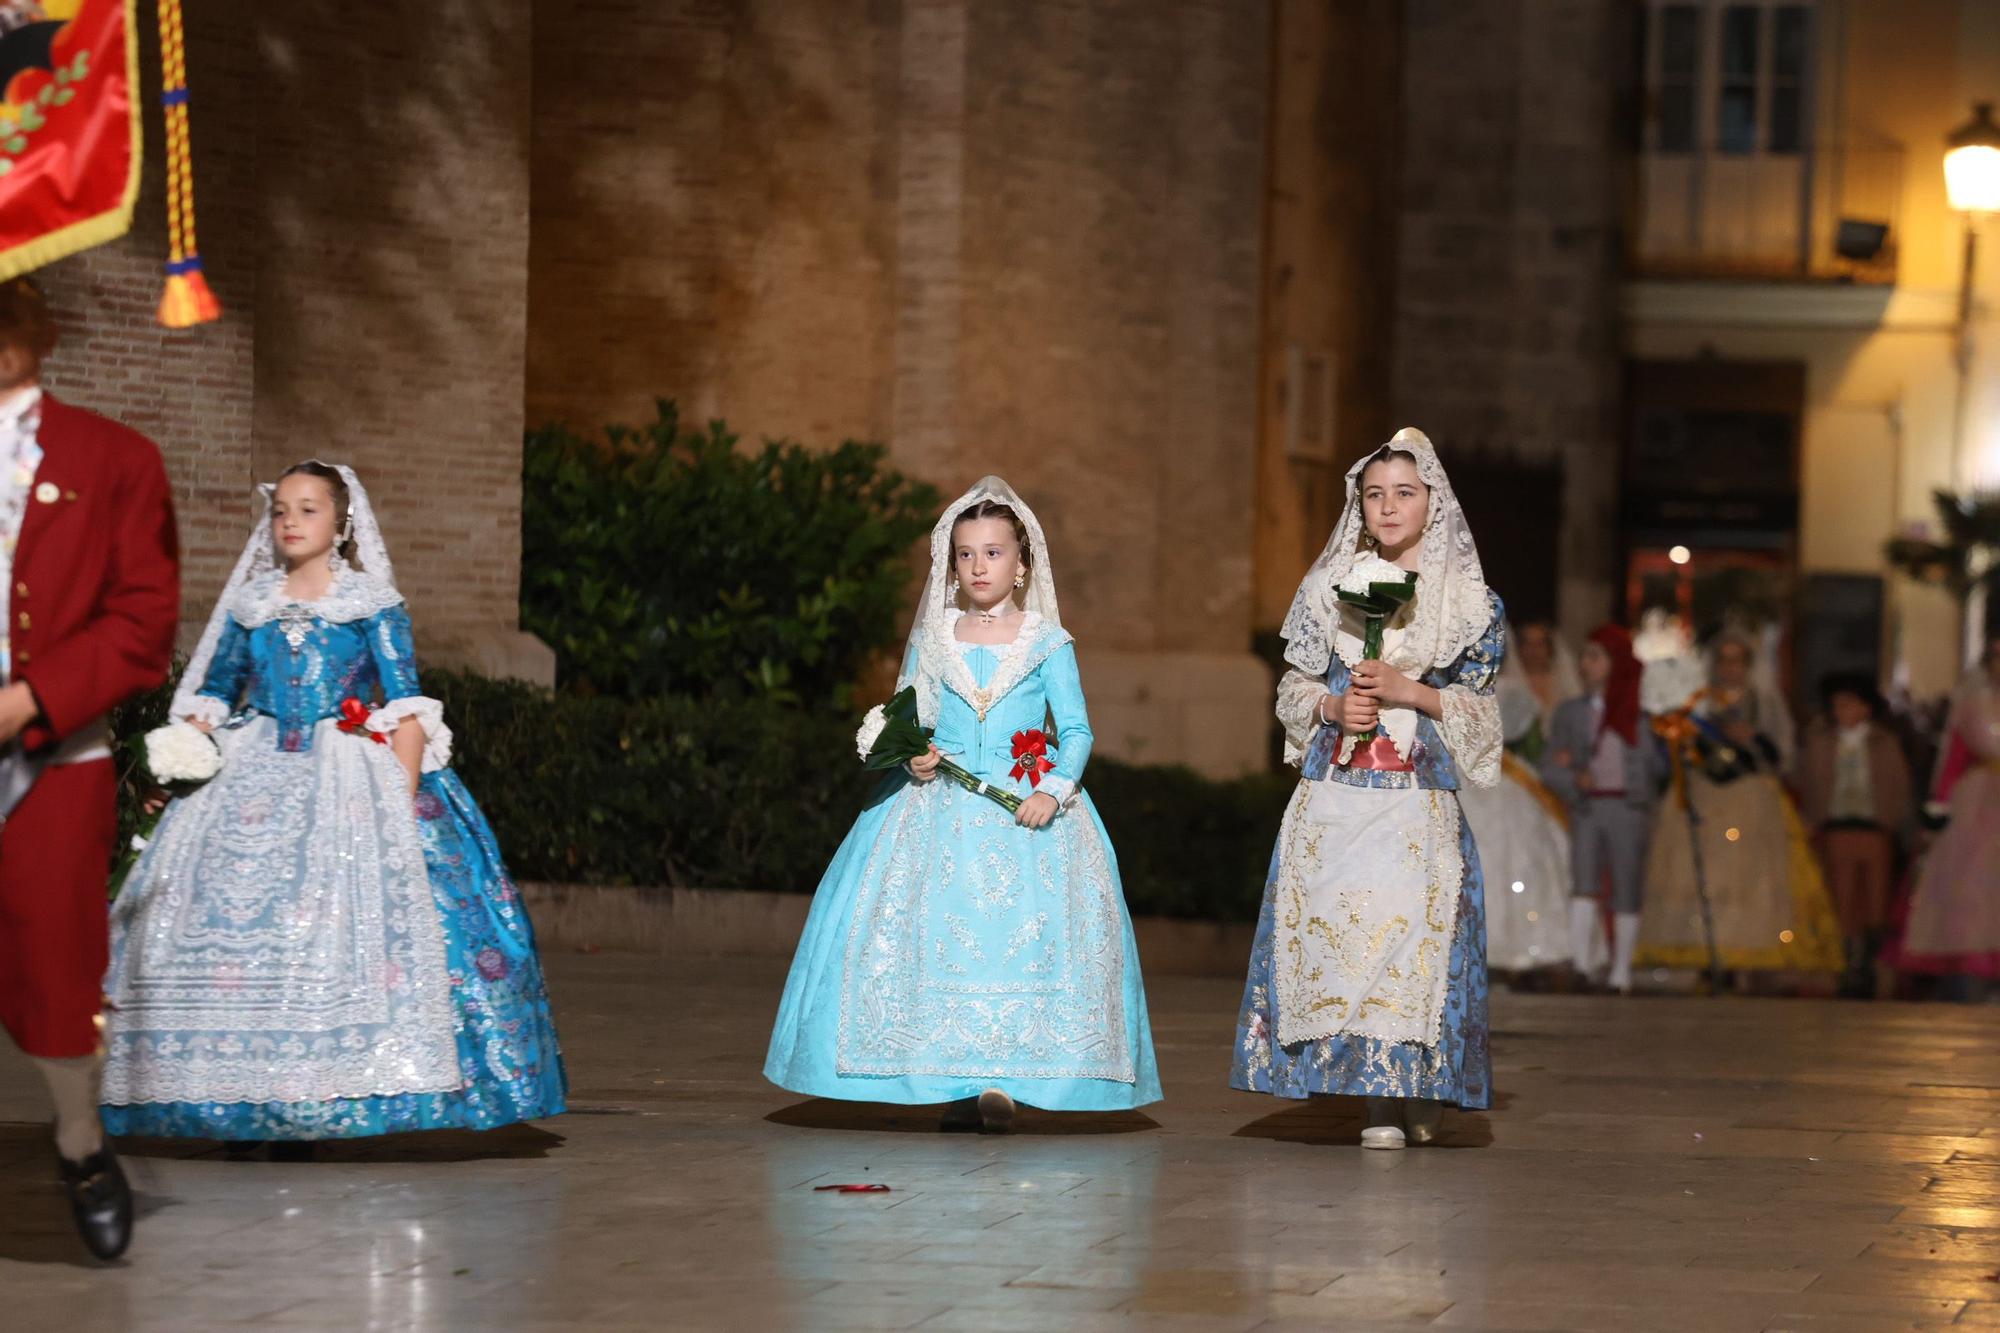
[[1671, 1164]]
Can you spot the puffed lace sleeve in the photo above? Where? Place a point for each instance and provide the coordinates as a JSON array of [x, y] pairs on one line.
[[1298, 701], [390, 641], [1469, 718]]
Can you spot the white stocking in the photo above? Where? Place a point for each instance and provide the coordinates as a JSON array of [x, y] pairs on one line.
[[1585, 935], [73, 1085], [1624, 942]]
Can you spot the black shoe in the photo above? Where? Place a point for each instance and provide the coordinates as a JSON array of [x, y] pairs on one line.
[[100, 1200], [292, 1150], [240, 1150]]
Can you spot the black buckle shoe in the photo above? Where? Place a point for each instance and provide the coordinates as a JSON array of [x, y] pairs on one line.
[[100, 1200]]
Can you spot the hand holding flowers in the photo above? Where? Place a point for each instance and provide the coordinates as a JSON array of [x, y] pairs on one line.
[[1378, 590]]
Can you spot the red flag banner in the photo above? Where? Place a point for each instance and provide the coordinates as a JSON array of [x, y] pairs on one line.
[[69, 128]]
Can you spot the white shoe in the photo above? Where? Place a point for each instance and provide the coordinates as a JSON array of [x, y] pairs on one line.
[[996, 1112], [1385, 1124]]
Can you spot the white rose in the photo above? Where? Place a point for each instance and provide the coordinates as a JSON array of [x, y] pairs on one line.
[[871, 730], [1371, 569], [178, 752], [1669, 682]]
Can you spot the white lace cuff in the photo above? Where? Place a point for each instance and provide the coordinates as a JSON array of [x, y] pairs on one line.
[[1470, 726], [202, 708], [1298, 698], [1060, 787], [429, 713]]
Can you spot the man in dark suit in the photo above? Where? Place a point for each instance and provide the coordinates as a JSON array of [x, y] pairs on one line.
[[89, 561]]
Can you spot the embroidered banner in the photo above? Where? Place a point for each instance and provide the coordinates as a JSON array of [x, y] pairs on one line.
[[70, 140]]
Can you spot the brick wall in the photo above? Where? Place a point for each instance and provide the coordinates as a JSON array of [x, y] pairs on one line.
[[363, 213], [1014, 236], [1506, 332], [192, 391]]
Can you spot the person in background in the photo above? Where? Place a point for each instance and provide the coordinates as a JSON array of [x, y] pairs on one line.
[[90, 561], [1854, 795], [1604, 763]]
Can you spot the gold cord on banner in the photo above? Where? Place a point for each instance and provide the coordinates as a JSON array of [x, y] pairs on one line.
[[187, 300]]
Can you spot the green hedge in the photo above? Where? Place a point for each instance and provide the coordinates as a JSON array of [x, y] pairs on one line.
[[748, 794], [665, 560]]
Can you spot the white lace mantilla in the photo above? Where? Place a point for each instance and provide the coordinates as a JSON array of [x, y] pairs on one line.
[[981, 949], [1366, 901], [278, 941], [1450, 611]]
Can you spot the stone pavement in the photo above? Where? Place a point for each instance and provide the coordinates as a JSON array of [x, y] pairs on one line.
[[1663, 1164]]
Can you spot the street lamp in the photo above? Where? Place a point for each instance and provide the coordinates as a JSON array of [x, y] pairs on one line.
[[1972, 163], [1972, 183]]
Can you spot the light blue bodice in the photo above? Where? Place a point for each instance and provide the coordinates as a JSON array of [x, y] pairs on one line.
[[1042, 665], [302, 684]]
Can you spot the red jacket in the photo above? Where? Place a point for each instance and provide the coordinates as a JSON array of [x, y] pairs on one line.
[[97, 594]]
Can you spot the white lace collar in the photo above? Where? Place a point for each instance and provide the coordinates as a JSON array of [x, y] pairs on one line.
[[1035, 641], [353, 595]]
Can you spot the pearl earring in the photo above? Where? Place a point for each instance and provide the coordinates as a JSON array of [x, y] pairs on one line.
[[1020, 580]]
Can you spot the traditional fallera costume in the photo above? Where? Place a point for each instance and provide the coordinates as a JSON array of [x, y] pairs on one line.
[[1522, 830], [950, 950], [1368, 968], [1765, 890], [1954, 921], [304, 951], [90, 561]]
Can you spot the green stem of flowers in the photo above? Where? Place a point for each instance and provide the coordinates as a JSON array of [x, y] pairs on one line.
[[1371, 651], [1001, 797]]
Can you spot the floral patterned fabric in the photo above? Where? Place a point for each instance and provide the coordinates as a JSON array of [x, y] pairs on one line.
[[303, 952], [1457, 1068]]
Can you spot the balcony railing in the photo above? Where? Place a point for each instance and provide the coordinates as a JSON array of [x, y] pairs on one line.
[[1829, 213]]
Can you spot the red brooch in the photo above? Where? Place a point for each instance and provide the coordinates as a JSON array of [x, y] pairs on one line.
[[354, 720], [1031, 757]]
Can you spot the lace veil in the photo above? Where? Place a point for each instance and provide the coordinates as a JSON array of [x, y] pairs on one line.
[[260, 557], [1450, 611], [926, 661]]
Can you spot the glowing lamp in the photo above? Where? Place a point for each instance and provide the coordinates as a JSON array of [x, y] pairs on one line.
[[1972, 163]]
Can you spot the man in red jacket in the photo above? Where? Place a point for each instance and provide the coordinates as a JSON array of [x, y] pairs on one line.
[[89, 562]]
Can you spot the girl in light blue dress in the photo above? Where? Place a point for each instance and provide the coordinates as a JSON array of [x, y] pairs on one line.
[[322, 942], [955, 952]]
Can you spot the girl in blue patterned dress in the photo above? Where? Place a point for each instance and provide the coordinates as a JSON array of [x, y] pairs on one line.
[[322, 942], [1368, 968], [954, 952]]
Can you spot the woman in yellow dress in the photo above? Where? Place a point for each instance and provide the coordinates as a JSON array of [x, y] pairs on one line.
[[1767, 897]]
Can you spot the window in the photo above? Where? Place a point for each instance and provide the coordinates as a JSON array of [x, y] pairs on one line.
[[1789, 36], [1736, 105], [1680, 48], [1728, 78]]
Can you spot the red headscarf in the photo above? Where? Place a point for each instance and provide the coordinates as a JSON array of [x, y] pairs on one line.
[[1621, 691]]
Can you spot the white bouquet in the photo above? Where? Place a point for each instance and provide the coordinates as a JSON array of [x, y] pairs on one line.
[[180, 754], [872, 727], [1369, 570], [1670, 684], [179, 758]]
